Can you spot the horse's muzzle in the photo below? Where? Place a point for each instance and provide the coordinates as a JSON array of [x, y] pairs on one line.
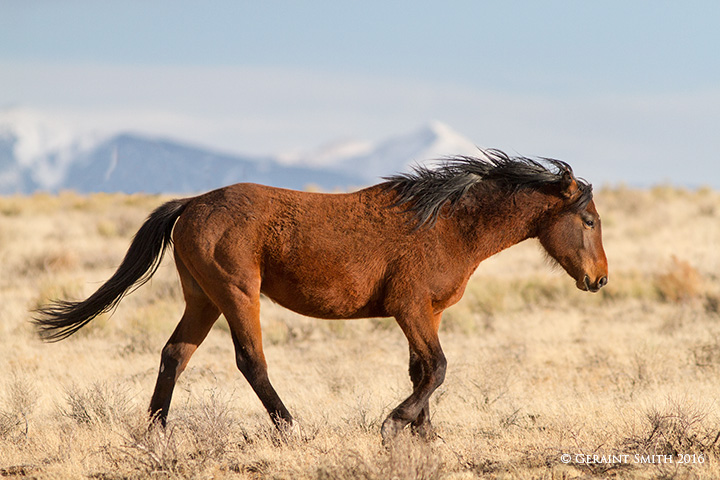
[[594, 286]]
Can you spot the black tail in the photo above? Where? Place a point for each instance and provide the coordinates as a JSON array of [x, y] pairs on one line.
[[61, 319]]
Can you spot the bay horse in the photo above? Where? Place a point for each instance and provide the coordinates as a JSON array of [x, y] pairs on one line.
[[404, 248]]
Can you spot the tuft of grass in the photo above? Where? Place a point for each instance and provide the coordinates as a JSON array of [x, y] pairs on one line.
[[712, 303], [202, 438], [707, 354], [11, 206], [680, 427], [681, 282], [154, 452], [210, 423], [52, 261], [406, 457], [107, 228], [97, 404], [19, 403]]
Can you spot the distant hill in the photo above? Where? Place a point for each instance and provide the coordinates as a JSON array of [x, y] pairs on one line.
[[128, 163], [35, 156]]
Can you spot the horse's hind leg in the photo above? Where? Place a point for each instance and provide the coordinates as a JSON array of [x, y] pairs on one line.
[[197, 320], [241, 308]]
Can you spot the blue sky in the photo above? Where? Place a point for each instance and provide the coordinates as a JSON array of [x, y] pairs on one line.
[[624, 91]]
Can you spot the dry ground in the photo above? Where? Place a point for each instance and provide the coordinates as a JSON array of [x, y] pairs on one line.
[[539, 373]]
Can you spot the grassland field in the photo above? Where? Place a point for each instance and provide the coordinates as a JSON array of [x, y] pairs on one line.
[[544, 381]]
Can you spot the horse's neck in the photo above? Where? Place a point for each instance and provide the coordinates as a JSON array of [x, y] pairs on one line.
[[496, 221]]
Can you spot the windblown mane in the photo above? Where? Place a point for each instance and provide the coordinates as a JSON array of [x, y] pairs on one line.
[[426, 190]]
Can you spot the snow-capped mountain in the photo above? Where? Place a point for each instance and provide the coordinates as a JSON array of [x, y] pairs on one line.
[[36, 148], [38, 152], [369, 162], [398, 154]]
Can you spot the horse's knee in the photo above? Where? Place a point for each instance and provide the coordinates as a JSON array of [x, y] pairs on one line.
[[415, 370], [431, 370], [438, 374], [433, 373]]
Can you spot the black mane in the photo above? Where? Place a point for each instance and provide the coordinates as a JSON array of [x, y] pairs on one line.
[[425, 190]]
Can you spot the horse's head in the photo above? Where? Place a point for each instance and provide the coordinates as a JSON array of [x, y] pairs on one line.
[[571, 234]]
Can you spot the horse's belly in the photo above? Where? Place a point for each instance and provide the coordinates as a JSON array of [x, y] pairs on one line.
[[322, 297]]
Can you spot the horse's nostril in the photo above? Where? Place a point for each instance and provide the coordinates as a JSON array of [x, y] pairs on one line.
[[602, 282]]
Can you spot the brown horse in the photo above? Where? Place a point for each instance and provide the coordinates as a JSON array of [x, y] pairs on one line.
[[403, 248]]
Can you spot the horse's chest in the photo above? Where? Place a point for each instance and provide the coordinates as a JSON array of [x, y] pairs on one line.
[[448, 292]]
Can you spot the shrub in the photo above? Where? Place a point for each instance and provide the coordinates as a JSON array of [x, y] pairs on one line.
[[405, 458], [680, 283], [678, 428], [98, 404], [20, 402]]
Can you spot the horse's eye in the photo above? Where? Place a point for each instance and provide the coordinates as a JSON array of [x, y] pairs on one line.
[[589, 222]]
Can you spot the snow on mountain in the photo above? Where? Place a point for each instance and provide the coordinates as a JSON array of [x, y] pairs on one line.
[[369, 162], [36, 148], [328, 155], [39, 151], [433, 141]]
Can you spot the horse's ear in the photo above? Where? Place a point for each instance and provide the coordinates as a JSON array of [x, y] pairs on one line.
[[568, 184]]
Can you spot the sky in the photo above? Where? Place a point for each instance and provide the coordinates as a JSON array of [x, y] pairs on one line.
[[628, 92]]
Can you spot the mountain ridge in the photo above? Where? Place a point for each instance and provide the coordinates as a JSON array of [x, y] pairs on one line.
[[34, 157]]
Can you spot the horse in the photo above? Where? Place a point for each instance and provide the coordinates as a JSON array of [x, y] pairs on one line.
[[404, 248]]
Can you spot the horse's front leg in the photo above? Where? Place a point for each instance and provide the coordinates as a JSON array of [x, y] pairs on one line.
[[429, 370], [421, 426]]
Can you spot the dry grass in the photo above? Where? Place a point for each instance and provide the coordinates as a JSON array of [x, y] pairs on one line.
[[536, 370]]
